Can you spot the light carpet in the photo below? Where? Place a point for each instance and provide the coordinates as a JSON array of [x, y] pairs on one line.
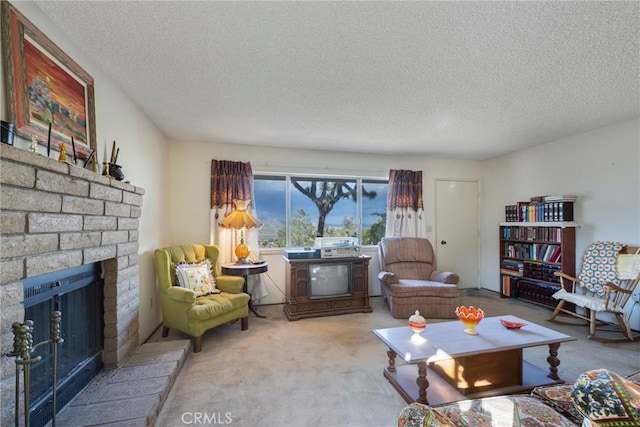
[[327, 371]]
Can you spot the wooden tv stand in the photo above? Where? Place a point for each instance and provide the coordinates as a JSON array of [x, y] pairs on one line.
[[301, 304]]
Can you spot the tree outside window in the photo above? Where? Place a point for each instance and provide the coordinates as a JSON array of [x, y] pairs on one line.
[[318, 207]]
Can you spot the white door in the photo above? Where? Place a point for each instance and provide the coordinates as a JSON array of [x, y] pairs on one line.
[[456, 244]]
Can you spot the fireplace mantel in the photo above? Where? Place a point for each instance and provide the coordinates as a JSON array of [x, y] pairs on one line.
[[55, 216]]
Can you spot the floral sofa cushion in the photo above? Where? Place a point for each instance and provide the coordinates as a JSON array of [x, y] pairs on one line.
[[560, 397], [598, 398], [500, 411], [606, 399]]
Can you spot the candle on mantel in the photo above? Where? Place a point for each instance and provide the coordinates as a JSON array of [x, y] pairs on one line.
[[73, 147], [49, 141], [105, 165], [86, 162]]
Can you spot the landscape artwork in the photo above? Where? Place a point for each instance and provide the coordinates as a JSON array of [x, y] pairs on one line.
[[55, 97], [46, 88]]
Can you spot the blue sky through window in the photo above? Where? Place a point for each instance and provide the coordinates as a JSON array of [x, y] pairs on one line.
[[270, 202]]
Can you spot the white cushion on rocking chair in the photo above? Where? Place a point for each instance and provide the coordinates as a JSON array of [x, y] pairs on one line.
[[585, 301], [628, 266]]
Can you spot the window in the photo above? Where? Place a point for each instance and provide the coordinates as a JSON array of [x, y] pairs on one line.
[[297, 209]]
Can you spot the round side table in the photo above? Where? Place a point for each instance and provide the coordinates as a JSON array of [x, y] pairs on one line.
[[245, 270]]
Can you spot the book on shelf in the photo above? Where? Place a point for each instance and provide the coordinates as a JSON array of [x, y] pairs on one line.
[[545, 234], [521, 208], [506, 286], [564, 198], [511, 267], [548, 252], [545, 252], [555, 256], [511, 213], [532, 254], [509, 286], [540, 211]]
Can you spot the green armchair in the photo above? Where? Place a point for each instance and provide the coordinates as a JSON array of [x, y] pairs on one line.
[[182, 310]]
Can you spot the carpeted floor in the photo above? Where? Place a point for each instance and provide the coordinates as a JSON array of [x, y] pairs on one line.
[[327, 371]]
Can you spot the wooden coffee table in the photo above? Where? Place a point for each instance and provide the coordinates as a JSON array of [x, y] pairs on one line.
[[452, 365]]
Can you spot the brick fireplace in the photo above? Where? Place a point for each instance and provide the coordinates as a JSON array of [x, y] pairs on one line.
[[56, 216]]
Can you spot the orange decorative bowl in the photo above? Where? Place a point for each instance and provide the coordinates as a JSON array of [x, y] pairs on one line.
[[470, 317], [512, 325]]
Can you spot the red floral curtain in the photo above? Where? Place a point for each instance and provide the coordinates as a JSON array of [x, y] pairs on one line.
[[230, 181], [405, 190], [405, 209], [233, 181]]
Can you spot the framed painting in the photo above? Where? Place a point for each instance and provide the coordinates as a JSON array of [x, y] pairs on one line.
[[50, 97]]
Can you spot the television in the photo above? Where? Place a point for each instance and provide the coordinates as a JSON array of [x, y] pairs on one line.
[[329, 280]]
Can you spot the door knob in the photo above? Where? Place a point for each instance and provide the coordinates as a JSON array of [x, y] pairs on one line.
[[443, 242]]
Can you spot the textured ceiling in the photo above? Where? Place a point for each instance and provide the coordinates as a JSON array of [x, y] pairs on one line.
[[451, 79]]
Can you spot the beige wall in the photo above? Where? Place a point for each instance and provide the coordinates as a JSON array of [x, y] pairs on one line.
[[600, 167], [142, 156]]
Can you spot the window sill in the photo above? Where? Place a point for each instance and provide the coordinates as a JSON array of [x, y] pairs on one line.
[[278, 251]]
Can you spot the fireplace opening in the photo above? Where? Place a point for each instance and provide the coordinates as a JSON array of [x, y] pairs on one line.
[[78, 294]]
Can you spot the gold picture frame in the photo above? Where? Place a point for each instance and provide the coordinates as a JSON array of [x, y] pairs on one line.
[[50, 97]]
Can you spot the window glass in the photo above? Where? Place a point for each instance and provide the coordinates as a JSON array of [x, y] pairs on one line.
[[374, 211], [297, 209], [322, 207], [270, 193]]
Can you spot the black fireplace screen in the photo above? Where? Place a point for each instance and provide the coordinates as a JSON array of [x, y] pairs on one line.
[[78, 294]]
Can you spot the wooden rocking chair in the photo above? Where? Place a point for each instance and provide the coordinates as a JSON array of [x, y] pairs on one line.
[[610, 273]]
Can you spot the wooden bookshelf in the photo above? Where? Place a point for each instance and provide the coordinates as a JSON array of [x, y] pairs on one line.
[[530, 254]]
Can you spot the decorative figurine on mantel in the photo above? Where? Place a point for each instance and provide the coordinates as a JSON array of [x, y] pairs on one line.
[[34, 143], [62, 158], [115, 170]]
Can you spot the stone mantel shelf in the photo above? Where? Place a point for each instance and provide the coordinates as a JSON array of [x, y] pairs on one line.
[[8, 152]]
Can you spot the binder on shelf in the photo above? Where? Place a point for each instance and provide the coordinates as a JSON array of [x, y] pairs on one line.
[[565, 211], [511, 213], [546, 213]]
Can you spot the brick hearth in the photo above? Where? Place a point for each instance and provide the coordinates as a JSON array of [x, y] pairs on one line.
[[56, 216]]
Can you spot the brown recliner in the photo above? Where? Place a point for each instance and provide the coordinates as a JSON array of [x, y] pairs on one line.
[[410, 281]]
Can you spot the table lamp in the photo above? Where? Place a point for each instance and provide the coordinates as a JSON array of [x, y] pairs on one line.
[[240, 219]]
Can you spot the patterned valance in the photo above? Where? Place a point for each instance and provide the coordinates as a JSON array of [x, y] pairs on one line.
[[230, 181]]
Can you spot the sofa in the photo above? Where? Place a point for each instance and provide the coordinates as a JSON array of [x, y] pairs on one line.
[[410, 280], [597, 398]]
